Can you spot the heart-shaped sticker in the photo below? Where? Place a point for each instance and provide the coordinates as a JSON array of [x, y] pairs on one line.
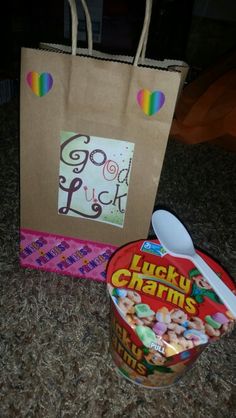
[[40, 84], [150, 102]]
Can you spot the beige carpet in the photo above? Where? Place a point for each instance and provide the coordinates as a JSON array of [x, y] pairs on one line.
[[54, 332]]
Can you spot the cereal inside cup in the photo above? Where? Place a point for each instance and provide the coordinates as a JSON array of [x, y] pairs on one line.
[[164, 313]]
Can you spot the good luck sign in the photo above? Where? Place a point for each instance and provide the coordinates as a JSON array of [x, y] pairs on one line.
[[94, 177]]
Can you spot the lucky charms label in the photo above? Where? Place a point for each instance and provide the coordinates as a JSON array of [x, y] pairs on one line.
[[167, 309], [94, 177]]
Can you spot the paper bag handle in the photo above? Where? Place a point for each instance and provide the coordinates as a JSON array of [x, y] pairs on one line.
[[144, 48], [141, 50], [74, 18]]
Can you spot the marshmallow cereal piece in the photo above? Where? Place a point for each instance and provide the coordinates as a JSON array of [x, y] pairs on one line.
[[215, 324], [220, 318], [197, 336], [179, 316], [159, 328], [146, 335], [134, 296], [196, 323], [212, 332], [143, 311], [163, 315], [178, 329], [126, 305]]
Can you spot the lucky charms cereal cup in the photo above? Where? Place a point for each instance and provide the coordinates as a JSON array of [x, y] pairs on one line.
[[163, 313]]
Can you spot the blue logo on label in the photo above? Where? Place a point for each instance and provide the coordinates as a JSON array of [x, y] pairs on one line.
[[152, 248]]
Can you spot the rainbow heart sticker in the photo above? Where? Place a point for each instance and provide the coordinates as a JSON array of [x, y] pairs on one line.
[[40, 84], [150, 102]]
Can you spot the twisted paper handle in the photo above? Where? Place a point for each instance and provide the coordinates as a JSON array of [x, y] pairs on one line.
[[74, 18], [141, 50]]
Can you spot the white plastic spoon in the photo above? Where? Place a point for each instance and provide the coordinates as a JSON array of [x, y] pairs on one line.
[[176, 240]]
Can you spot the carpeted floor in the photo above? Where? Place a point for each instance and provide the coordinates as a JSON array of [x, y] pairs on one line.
[[54, 343]]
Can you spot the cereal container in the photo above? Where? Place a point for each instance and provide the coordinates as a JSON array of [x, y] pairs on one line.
[[163, 313]]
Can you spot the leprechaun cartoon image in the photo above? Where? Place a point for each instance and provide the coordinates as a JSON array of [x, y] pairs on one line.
[[201, 288]]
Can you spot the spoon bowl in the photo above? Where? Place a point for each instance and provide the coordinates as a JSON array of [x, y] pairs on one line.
[[175, 238], [172, 234]]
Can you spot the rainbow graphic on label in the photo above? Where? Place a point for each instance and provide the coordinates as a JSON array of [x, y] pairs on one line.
[[40, 84], [150, 102]]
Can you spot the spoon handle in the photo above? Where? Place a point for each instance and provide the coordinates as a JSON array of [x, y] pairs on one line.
[[224, 293]]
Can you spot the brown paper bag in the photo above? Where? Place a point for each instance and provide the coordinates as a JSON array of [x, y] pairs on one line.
[[93, 130]]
